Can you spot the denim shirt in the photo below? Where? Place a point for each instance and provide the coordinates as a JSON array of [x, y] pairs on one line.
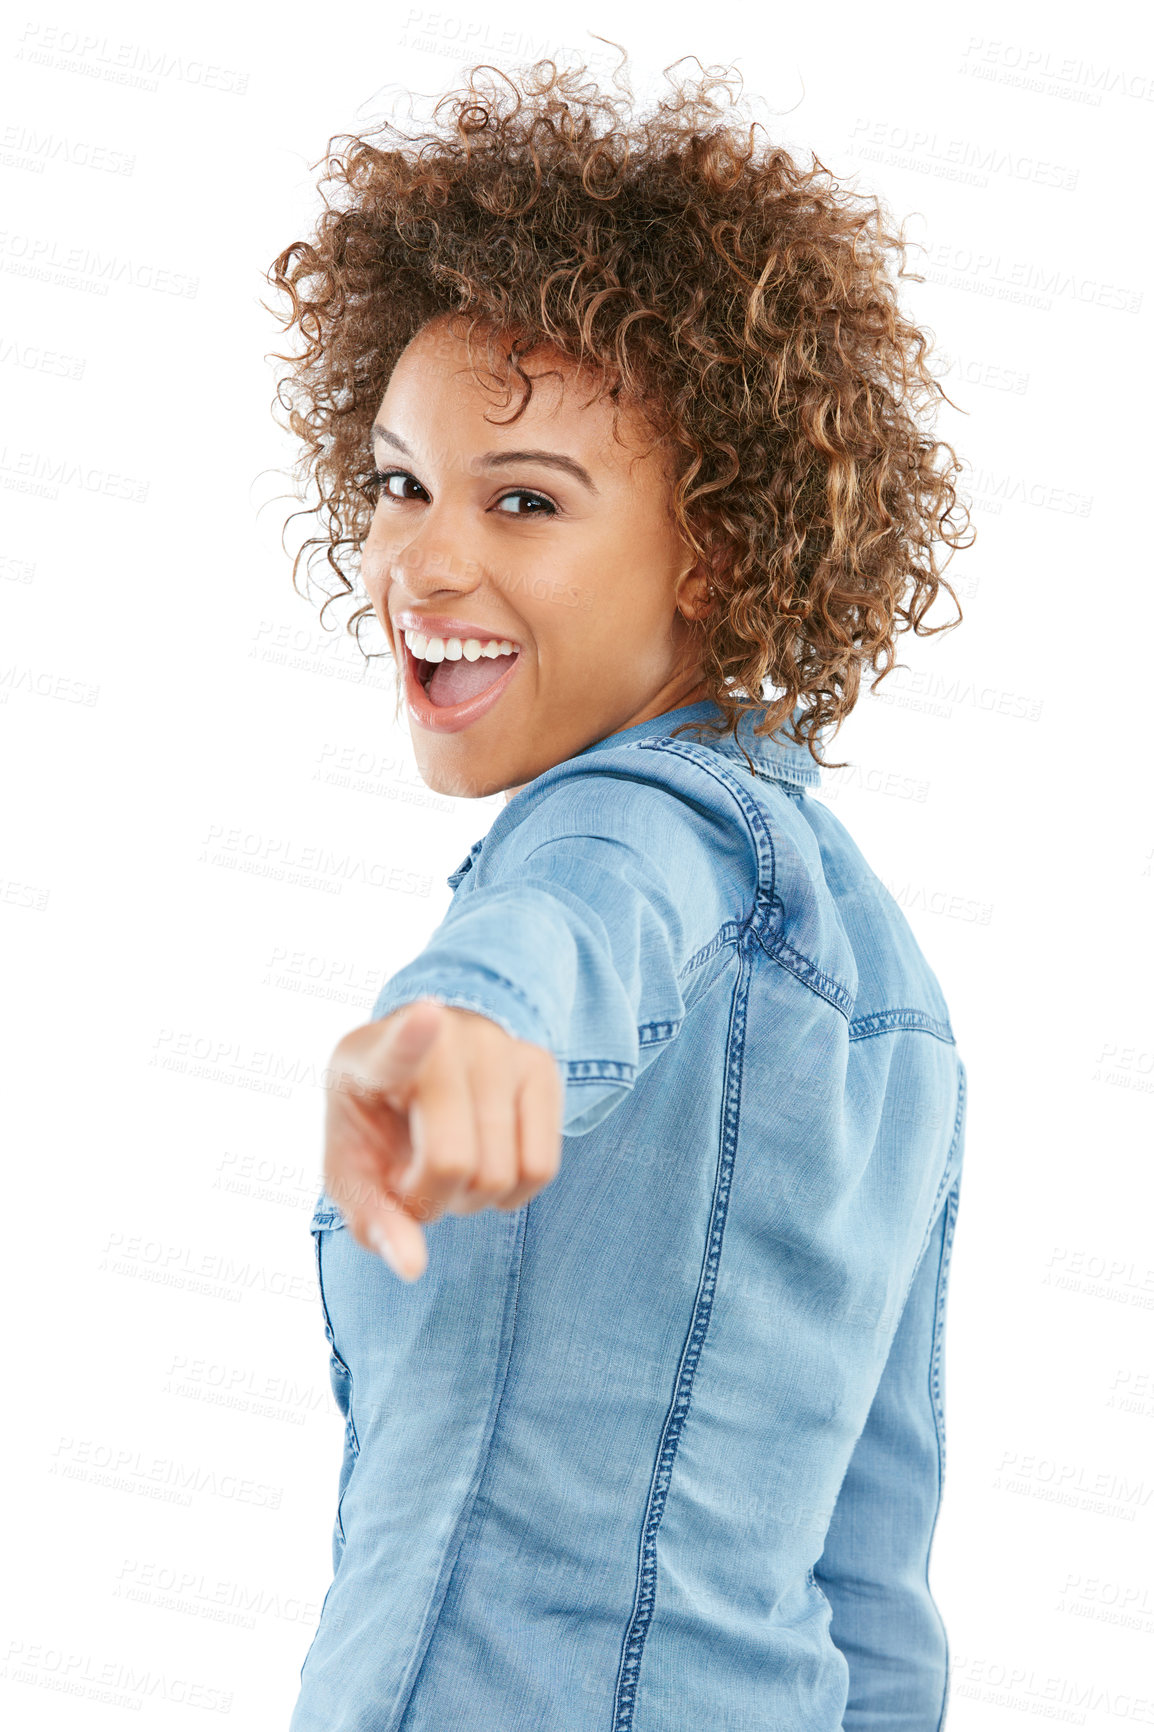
[[663, 1449]]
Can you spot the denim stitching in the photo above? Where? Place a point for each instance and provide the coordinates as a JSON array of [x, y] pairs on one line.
[[951, 1208], [754, 817], [352, 1449], [652, 1033], [793, 774], [325, 1212], [578, 1071], [826, 984], [779, 950], [882, 1021], [584, 1070], [351, 1441], [768, 909], [727, 934], [316, 1232], [340, 1369], [936, 1378], [633, 1642]]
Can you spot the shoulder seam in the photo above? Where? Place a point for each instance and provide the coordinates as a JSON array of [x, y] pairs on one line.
[[755, 824], [765, 921]]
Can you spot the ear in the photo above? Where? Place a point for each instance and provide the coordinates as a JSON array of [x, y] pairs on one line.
[[695, 593]]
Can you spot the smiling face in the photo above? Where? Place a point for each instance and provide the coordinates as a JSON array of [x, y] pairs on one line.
[[535, 567]]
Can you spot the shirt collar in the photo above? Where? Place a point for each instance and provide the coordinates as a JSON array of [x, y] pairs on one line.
[[772, 755], [776, 758]]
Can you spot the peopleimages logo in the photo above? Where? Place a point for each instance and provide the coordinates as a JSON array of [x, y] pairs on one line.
[[1028, 67], [25, 147], [33, 358], [964, 159], [1022, 281], [46, 259], [311, 865], [43, 475], [433, 30], [133, 64]]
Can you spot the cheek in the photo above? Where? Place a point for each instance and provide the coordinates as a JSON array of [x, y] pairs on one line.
[[378, 582], [610, 658], [374, 566]]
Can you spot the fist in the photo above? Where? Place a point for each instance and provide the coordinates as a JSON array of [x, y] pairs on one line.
[[435, 1110]]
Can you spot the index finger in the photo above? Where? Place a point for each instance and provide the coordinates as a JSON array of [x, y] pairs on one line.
[[401, 1041]]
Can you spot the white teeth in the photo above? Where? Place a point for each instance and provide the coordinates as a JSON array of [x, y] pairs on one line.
[[436, 649]]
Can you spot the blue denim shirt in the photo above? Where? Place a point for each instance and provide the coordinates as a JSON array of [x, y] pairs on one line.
[[662, 1450]]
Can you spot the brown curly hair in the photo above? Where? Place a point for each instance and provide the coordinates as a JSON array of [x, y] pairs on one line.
[[742, 301]]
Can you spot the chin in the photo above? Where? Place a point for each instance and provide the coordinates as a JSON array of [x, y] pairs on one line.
[[461, 782]]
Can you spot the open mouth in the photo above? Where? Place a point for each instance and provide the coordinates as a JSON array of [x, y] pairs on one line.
[[453, 680]]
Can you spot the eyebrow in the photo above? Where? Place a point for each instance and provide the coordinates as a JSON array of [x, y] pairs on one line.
[[498, 459]]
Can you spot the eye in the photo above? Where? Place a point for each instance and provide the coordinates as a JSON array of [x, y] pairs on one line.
[[400, 486], [543, 506], [380, 483]]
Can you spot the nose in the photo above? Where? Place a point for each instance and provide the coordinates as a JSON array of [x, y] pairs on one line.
[[428, 568], [429, 555], [423, 562], [427, 571]]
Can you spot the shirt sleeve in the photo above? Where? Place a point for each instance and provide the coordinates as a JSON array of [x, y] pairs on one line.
[[583, 914]]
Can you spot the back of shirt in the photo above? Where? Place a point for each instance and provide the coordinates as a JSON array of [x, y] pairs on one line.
[[904, 1101], [819, 1381], [663, 1449], [875, 1561]]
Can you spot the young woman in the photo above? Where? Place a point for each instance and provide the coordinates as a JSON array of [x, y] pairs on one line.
[[660, 1135]]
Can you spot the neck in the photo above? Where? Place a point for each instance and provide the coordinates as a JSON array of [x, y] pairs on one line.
[[659, 706]]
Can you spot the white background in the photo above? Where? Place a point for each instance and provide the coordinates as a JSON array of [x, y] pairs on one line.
[[216, 844]]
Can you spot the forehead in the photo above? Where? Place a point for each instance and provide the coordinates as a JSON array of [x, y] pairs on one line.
[[441, 369]]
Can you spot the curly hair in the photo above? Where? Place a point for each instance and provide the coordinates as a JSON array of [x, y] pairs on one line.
[[743, 302]]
